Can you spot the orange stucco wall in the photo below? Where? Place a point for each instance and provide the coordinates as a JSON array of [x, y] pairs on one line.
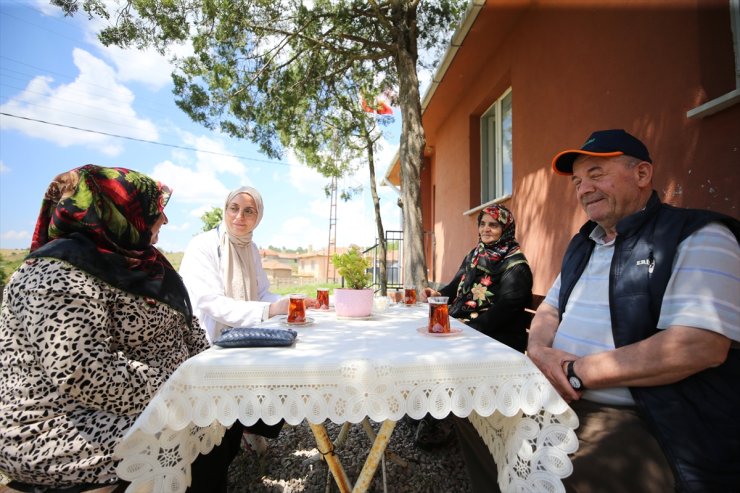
[[574, 69]]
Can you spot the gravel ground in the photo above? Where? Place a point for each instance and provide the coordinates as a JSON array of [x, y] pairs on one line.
[[286, 466]]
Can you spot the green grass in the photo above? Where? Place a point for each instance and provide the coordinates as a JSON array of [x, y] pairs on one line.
[[9, 262], [307, 289], [10, 259], [175, 258]]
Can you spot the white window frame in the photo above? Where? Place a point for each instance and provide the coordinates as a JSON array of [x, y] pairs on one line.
[[496, 166], [733, 97]]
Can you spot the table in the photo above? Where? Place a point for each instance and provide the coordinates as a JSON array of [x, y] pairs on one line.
[[344, 371]]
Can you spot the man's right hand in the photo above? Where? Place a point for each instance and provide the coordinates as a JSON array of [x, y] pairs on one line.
[[548, 360], [551, 363]]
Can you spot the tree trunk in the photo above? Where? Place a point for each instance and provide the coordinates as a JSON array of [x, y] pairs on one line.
[[370, 145], [412, 144]]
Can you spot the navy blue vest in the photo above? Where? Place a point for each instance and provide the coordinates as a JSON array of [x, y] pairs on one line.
[[696, 420]]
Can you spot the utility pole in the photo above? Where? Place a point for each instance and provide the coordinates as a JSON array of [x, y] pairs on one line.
[[332, 247]]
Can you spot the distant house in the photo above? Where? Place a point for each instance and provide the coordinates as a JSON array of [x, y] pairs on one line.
[[289, 259], [268, 253], [313, 263], [276, 269], [523, 80]]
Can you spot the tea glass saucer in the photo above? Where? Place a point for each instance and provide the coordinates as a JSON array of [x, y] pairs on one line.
[[308, 321], [452, 333]]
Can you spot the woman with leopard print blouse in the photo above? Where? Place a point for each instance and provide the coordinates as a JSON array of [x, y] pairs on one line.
[[92, 324]]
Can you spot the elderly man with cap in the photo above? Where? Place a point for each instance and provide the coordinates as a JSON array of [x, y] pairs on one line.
[[640, 331]]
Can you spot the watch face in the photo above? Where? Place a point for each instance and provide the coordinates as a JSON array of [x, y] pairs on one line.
[[575, 382]]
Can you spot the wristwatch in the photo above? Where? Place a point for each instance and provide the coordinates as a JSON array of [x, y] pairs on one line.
[[573, 379]]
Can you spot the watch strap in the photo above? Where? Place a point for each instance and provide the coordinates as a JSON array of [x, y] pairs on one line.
[[574, 380]]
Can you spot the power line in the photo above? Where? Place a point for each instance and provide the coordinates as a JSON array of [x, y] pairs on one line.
[[71, 86], [88, 117], [144, 140], [73, 80], [34, 24], [66, 22]]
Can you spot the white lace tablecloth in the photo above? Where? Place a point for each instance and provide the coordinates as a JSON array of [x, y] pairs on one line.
[[345, 370]]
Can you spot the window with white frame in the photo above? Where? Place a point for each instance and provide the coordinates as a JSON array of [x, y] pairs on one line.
[[733, 97], [496, 150]]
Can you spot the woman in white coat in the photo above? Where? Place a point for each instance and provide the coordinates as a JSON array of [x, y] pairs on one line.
[[227, 286], [222, 271]]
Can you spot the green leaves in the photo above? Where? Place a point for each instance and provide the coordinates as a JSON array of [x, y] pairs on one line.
[[352, 266], [212, 218]]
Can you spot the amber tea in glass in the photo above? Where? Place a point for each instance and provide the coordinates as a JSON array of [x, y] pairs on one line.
[[297, 309], [409, 296], [322, 298], [439, 318]]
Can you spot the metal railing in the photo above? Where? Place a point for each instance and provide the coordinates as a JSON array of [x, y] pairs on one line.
[[393, 261]]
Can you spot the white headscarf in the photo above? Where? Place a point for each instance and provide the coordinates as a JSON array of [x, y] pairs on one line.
[[238, 262]]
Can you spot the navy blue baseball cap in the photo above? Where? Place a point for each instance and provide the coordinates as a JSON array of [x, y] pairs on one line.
[[604, 143]]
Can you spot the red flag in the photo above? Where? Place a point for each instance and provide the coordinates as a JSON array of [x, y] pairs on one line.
[[379, 106]]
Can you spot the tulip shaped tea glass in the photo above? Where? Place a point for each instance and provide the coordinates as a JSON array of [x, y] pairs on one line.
[[409, 296], [439, 318], [322, 298], [297, 309]]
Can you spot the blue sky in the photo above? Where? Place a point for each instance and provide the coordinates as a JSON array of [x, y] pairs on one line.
[[55, 70]]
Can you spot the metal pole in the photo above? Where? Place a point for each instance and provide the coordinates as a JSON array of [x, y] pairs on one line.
[[326, 449], [371, 463]]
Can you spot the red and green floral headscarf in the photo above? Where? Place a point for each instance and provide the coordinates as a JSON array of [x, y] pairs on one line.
[[115, 207], [480, 264], [100, 219]]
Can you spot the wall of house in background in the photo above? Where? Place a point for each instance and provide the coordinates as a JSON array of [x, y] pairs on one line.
[[573, 69]]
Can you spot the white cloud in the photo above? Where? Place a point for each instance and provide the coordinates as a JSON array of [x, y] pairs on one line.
[[93, 101], [300, 231], [309, 181], [15, 235], [199, 187], [308, 226], [355, 218], [133, 65], [355, 222], [203, 181], [45, 7], [145, 66], [4, 168], [306, 180], [199, 211], [180, 227], [216, 158]]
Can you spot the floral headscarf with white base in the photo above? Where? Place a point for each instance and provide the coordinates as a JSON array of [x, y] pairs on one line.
[[472, 292]]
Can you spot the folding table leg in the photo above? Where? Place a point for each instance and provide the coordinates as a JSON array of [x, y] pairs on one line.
[[394, 457], [326, 449], [376, 453]]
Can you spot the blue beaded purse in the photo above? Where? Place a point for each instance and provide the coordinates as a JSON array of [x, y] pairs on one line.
[[256, 337]]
